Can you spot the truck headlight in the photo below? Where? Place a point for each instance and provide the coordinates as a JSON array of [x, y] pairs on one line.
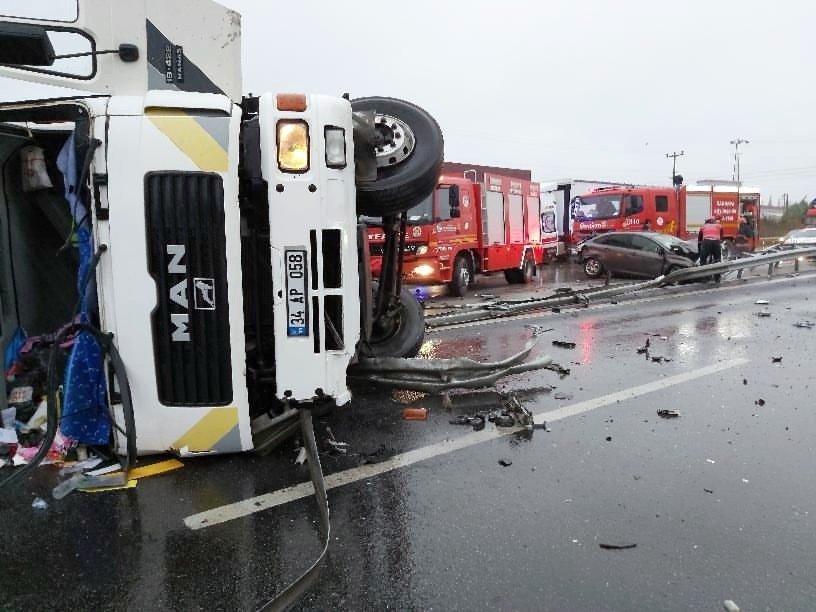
[[293, 145], [424, 270], [335, 146]]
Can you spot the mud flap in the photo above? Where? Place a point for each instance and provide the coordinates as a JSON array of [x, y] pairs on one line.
[[292, 594]]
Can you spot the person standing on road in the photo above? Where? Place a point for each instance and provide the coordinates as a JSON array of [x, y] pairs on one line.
[[709, 241]]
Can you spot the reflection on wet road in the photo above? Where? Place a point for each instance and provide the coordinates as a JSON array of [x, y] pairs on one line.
[[719, 500]]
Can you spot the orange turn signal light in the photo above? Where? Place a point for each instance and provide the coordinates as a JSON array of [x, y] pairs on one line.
[[291, 102]]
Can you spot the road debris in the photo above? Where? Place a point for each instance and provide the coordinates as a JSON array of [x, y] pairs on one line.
[[805, 324], [730, 606], [711, 491], [39, 504], [563, 344], [760, 402], [776, 360], [562, 396], [665, 413], [301, 457], [762, 302], [415, 414], [763, 313], [659, 359], [608, 438], [617, 546], [505, 462]]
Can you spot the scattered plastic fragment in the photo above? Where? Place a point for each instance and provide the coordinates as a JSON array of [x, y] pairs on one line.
[[562, 396], [745, 480], [709, 490], [659, 359], [563, 344], [608, 438], [776, 360], [710, 461], [760, 402], [762, 302], [730, 606], [39, 503], [66, 486], [744, 381], [617, 546], [805, 324], [505, 462], [763, 313], [301, 458], [665, 413], [415, 414]]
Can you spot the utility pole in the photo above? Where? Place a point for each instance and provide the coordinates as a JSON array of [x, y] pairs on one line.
[[735, 176], [674, 155]]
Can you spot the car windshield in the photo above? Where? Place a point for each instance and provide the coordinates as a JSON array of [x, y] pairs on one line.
[[667, 241], [606, 206]]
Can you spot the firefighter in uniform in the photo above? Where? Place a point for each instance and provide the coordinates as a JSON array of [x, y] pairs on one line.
[[709, 242]]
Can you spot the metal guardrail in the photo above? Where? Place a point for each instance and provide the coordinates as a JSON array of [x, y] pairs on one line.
[[500, 309]]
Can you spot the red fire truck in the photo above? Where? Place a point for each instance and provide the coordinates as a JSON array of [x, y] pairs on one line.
[[680, 212], [474, 224], [809, 218]]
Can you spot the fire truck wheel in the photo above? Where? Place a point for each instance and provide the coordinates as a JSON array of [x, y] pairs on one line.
[[461, 277], [405, 334], [592, 267], [409, 160], [527, 270]]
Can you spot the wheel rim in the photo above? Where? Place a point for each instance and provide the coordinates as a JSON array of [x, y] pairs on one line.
[[592, 266], [397, 140], [464, 276]]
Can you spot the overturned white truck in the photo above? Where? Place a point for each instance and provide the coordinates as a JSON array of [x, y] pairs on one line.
[[202, 245]]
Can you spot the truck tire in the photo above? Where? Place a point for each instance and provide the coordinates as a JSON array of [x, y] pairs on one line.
[[401, 185], [406, 336], [527, 270], [523, 275], [461, 277]]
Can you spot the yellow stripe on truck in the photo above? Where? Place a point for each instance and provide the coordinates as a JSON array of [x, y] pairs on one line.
[[191, 138], [205, 435]]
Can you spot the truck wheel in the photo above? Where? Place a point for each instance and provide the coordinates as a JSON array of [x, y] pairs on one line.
[[592, 267], [404, 334], [527, 270], [462, 276], [512, 276], [408, 161]]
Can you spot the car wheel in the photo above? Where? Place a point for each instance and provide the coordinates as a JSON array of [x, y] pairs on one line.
[[409, 160], [593, 267], [403, 334], [728, 250], [462, 276]]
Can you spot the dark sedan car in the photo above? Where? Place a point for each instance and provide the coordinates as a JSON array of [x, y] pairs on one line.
[[641, 254]]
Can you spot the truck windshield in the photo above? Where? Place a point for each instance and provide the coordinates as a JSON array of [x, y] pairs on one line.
[[422, 213], [606, 206]]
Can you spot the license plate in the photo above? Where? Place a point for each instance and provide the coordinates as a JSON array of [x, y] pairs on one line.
[[297, 293]]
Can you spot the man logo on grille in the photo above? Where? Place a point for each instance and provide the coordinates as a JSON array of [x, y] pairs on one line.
[[204, 293]]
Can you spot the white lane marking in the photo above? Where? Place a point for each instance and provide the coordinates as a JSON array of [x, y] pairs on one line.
[[230, 512]]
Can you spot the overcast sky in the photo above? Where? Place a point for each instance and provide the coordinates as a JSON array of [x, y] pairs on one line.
[[592, 89]]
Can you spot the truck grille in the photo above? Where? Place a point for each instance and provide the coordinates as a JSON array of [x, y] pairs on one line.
[[187, 259]]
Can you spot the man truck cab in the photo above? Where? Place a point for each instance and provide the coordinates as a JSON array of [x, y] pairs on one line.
[[211, 239]]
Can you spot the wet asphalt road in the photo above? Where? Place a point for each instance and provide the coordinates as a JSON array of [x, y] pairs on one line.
[[718, 501]]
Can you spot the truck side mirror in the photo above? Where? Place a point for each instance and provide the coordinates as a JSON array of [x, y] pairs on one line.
[[453, 202], [25, 45]]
